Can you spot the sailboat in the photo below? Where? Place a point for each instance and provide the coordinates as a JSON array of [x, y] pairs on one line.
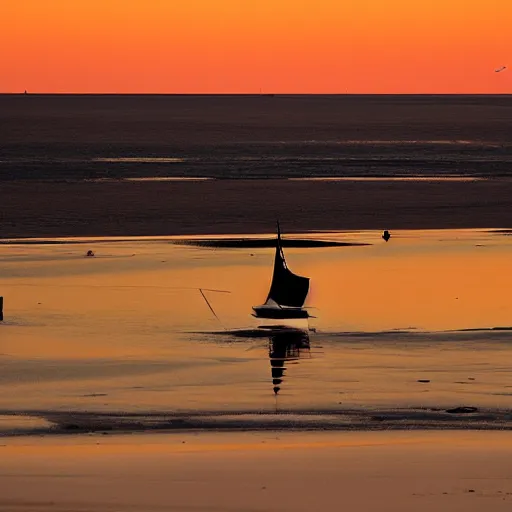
[[288, 291]]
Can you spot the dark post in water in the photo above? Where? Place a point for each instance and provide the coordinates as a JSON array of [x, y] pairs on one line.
[[1, 308]]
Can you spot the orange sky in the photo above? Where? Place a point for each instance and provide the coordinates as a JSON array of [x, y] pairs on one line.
[[231, 46]]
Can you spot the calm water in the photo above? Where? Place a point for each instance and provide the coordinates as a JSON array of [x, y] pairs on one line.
[[125, 338], [96, 137]]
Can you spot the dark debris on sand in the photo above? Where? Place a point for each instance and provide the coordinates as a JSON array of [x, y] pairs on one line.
[[462, 410]]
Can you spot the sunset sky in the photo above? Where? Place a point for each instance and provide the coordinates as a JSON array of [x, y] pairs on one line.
[[242, 46]]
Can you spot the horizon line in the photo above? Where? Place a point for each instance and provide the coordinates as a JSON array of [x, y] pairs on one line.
[[268, 94]]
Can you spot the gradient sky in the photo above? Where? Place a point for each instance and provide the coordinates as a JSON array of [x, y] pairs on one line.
[[231, 46]]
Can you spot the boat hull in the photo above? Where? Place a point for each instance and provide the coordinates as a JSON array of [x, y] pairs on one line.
[[279, 313]]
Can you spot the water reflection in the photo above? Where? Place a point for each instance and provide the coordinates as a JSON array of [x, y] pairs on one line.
[[284, 347]]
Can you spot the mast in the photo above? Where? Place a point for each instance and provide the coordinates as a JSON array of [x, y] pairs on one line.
[[280, 245]]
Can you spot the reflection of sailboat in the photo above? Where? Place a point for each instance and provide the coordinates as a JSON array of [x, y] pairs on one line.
[[288, 291], [283, 347]]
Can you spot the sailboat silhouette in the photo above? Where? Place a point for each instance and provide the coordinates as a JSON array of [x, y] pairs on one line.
[[288, 291]]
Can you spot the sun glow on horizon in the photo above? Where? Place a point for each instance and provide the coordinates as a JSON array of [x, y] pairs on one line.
[[228, 46]]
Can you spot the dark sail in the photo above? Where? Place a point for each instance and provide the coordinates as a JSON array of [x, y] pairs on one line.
[[287, 288]]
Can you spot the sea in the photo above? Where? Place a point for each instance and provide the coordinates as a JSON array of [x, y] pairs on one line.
[[76, 137]]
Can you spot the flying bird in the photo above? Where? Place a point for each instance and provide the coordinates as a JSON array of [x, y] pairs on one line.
[[499, 70]]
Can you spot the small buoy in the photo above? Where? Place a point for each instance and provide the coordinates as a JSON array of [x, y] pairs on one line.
[[90, 253], [386, 235]]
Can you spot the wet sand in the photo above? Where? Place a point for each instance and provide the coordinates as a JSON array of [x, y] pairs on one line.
[[120, 390], [45, 209], [124, 341], [258, 472]]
